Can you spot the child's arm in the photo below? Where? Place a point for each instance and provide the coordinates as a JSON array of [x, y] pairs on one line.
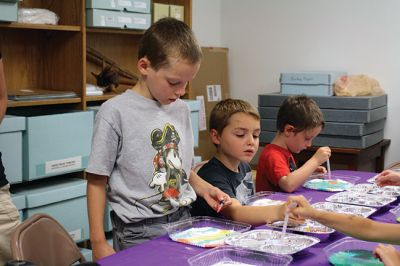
[[3, 91], [96, 201], [352, 225], [213, 195], [388, 178], [254, 215], [388, 255], [257, 215], [296, 178]]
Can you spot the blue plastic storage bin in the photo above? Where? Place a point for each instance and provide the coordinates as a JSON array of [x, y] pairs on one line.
[[11, 130], [139, 6], [9, 10], [56, 144], [309, 83], [64, 199], [194, 107]]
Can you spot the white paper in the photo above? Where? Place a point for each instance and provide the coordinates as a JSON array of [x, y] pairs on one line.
[[67, 164], [202, 118], [214, 93]]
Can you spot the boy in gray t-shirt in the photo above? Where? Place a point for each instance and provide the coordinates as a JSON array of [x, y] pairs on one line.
[[142, 145]]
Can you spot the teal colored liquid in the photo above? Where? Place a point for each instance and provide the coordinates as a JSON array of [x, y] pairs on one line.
[[354, 257]]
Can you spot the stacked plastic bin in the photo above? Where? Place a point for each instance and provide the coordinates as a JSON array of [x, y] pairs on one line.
[[39, 151], [350, 122], [129, 14]]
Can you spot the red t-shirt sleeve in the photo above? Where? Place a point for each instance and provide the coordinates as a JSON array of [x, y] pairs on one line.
[[272, 166]]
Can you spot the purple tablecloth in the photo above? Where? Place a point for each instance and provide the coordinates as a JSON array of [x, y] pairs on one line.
[[163, 251]]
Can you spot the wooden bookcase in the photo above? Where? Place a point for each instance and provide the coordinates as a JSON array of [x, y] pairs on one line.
[[53, 57]]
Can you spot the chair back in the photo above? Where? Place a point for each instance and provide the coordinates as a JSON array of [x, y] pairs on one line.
[[41, 240]]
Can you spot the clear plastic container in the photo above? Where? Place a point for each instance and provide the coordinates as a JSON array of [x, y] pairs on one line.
[[350, 251], [262, 199], [396, 212], [369, 200], [204, 231], [227, 255], [362, 211], [271, 241]]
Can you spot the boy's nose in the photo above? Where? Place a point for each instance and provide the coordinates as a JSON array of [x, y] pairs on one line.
[[180, 91]]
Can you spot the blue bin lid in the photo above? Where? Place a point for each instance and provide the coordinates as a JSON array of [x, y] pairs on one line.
[[52, 191], [19, 200], [12, 123]]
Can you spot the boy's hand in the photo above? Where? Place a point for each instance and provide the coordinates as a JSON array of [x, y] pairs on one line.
[[320, 170], [387, 254], [294, 220], [217, 199], [322, 155], [303, 209], [388, 178]]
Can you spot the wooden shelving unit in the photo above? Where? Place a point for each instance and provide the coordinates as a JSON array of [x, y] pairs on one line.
[[53, 57]]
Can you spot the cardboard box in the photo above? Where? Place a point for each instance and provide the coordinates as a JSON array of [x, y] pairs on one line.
[[160, 11], [176, 11], [211, 84]]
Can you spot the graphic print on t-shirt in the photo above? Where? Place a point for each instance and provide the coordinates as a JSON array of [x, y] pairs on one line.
[[168, 176], [245, 188]]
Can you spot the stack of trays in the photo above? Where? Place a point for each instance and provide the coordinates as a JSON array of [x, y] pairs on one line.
[[350, 122]]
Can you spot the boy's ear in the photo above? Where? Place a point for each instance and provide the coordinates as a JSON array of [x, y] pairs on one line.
[[214, 136], [288, 129], [143, 65]]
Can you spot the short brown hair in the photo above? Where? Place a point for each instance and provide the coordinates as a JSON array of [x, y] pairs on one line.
[[221, 113], [169, 37], [301, 112]]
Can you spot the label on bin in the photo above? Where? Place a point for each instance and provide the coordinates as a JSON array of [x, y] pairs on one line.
[[63, 165], [76, 235]]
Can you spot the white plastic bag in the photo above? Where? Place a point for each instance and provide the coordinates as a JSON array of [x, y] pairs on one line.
[[357, 85], [37, 16]]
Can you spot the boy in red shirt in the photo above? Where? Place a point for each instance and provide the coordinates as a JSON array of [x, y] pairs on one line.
[[299, 121]]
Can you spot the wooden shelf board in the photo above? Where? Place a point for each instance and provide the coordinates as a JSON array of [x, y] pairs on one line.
[[15, 25], [103, 97], [114, 31], [43, 102]]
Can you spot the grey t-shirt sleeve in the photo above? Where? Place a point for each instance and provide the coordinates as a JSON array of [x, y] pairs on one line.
[[105, 144]]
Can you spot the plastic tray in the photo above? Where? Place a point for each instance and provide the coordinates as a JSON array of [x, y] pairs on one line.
[[204, 231], [391, 191], [369, 200], [362, 211], [347, 244], [228, 255], [335, 184], [262, 199], [372, 179], [396, 212], [271, 241], [308, 226]]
